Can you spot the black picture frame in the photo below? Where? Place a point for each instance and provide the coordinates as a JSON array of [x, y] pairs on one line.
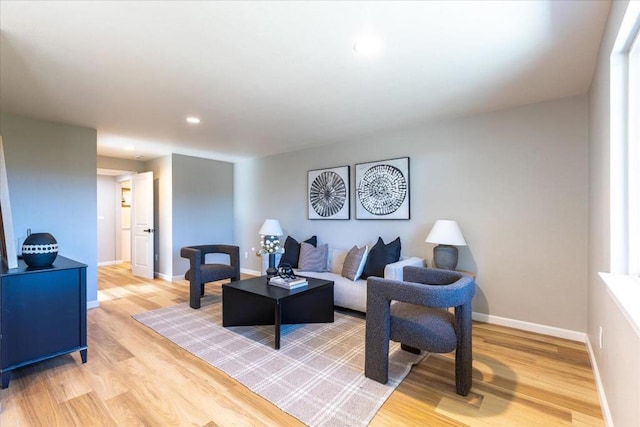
[[382, 189], [328, 193]]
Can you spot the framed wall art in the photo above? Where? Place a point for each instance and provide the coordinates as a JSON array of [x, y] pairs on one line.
[[328, 193], [382, 189]]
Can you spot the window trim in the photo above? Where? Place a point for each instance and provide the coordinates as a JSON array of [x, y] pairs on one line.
[[623, 283], [624, 172]]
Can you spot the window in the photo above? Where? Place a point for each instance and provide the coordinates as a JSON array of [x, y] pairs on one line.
[[624, 281], [625, 146], [633, 159]]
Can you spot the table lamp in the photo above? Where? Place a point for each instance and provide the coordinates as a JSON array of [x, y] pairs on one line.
[[447, 235], [270, 231]]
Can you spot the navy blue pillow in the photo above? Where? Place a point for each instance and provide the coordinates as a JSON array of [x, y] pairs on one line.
[[292, 250], [379, 256]]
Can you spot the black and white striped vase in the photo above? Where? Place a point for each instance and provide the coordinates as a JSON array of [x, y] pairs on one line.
[[39, 250]]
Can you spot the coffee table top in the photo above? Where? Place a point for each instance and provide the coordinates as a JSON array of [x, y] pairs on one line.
[[259, 286]]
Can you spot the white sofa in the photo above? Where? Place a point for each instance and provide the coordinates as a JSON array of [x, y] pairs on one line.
[[346, 293]]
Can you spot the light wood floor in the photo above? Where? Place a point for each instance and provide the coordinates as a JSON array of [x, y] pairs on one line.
[[135, 377]]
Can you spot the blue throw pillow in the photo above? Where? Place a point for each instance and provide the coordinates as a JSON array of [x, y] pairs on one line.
[[379, 256], [291, 253]]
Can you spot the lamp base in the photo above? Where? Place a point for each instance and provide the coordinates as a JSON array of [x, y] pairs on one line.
[[445, 257], [271, 271]]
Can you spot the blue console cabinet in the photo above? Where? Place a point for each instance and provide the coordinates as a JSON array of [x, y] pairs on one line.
[[43, 314]]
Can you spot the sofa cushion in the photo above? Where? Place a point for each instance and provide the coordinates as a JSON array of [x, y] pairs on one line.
[[336, 260], [291, 253], [312, 258], [353, 295], [354, 263], [379, 256], [213, 272]]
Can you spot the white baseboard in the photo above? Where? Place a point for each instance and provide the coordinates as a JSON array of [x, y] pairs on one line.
[[531, 327], [608, 420], [93, 304], [251, 272], [162, 276], [104, 263]]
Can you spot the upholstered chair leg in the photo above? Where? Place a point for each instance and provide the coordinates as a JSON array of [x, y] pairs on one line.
[[464, 359], [202, 289], [376, 349], [376, 358], [410, 349], [194, 295]]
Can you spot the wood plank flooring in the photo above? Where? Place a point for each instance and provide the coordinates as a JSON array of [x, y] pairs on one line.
[[136, 377]]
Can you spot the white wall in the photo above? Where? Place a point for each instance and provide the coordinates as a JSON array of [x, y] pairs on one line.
[[51, 172], [106, 197], [515, 180], [618, 361]]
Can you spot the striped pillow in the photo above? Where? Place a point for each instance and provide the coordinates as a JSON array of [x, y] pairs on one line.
[[313, 259], [354, 263]]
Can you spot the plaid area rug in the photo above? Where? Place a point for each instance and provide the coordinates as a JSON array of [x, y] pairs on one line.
[[317, 375]]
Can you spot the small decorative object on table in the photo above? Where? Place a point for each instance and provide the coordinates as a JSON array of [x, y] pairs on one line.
[[39, 250], [270, 244], [287, 279], [288, 283]]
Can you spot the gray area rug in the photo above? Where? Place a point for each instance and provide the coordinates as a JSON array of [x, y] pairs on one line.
[[317, 375]]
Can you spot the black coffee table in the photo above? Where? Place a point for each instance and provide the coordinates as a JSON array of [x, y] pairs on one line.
[[253, 301]]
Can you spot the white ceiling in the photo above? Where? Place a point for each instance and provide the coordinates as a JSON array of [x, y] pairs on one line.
[[269, 77]]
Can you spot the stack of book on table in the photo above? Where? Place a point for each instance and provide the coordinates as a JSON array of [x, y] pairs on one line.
[[288, 283]]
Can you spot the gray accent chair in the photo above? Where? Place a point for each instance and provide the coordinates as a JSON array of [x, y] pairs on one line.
[[200, 273], [414, 313]]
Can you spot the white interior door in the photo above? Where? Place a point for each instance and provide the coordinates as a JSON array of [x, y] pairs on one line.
[[142, 225]]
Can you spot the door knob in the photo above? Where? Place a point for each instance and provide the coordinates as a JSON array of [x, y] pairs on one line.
[[149, 230]]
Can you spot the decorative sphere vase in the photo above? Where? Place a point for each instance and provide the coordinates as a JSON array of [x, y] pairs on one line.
[[39, 250]]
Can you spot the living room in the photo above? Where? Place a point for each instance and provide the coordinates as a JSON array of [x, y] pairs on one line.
[[528, 184]]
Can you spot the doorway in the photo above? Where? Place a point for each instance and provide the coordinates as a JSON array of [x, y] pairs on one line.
[[125, 220], [114, 216]]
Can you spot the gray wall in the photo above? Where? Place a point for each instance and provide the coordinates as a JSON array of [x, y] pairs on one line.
[[202, 204], [515, 180], [51, 171], [617, 361]]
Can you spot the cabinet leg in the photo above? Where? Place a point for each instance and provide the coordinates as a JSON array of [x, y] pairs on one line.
[[83, 355], [6, 376]]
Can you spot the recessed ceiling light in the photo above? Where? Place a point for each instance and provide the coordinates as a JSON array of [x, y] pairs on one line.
[[193, 120], [368, 46]]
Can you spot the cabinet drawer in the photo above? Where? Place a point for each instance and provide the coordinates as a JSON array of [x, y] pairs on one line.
[[41, 315]]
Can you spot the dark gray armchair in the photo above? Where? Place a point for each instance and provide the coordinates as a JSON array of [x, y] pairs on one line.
[[414, 313], [200, 273]]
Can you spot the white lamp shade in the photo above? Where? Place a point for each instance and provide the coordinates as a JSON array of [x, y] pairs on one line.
[[446, 232], [271, 227]]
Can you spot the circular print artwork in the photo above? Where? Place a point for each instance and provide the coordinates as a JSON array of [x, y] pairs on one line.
[[382, 189], [328, 194]]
